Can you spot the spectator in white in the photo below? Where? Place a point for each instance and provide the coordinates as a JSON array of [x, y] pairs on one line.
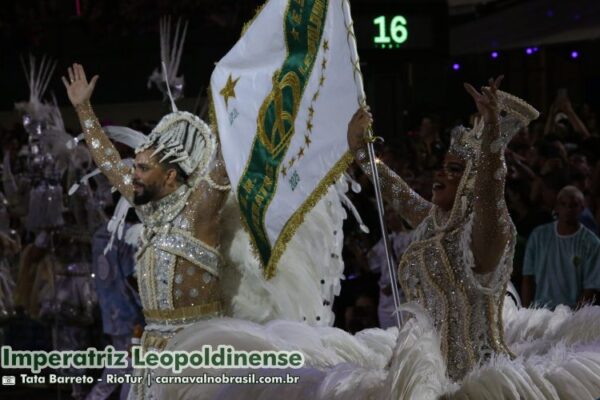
[[562, 258], [400, 239]]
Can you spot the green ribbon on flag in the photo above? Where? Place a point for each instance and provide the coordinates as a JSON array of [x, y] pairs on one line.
[[304, 22]]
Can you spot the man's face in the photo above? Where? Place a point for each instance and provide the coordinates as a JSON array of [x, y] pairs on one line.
[[149, 178], [569, 208]]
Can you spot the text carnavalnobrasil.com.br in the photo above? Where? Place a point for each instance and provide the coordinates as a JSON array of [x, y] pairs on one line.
[[207, 357]]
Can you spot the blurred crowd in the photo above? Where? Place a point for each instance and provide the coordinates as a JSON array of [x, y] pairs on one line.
[[61, 287]]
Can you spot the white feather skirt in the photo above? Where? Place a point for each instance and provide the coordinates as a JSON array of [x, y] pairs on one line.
[[557, 357], [308, 274]]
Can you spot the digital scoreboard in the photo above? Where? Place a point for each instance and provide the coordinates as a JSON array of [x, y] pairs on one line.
[[401, 26], [393, 34]]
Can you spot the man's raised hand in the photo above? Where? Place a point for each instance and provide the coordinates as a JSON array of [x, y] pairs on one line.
[[78, 88]]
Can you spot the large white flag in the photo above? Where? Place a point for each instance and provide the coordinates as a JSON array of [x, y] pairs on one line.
[[282, 100]]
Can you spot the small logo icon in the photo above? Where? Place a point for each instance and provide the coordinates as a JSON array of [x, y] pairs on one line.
[[9, 380]]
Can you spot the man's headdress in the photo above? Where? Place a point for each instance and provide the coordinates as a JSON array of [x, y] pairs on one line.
[[182, 138]]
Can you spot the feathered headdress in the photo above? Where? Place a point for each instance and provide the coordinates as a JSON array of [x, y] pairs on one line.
[[170, 85], [180, 137], [36, 114], [184, 139]]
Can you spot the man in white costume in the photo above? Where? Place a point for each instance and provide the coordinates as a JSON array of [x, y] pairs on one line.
[[179, 187]]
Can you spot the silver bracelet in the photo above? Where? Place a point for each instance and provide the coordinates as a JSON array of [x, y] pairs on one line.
[[361, 155]]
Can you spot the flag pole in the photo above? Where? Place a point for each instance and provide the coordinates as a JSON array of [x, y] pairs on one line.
[[371, 151]]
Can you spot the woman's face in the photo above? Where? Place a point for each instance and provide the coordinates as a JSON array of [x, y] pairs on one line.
[[446, 181]]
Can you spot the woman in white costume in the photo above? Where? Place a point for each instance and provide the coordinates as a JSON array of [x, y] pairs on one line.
[[459, 266], [463, 343]]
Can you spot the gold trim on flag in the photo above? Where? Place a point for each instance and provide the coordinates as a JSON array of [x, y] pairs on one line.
[[296, 220]]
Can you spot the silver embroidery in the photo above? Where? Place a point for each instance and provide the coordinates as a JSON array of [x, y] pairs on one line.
[[187, 247], [165, 265]]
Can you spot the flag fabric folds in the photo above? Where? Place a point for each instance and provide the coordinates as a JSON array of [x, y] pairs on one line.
[[281, 102]]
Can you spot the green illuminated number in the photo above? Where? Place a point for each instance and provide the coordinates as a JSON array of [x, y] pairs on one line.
[[398, 31], [383, 37]]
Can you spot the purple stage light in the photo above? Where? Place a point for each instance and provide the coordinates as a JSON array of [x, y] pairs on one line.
[[529, 51], [456, 66], [494, 54], [574, 54]]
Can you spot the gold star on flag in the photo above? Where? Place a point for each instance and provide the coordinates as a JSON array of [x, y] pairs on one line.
[[284, 171], [311, 111], [324, 63], [315, 96], [301, 152], [307, 140], [309, 126], [229, 90], [326, 45], [322, 80]]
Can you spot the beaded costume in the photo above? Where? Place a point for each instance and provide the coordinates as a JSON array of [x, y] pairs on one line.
[[436, 271], [177, 263]]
